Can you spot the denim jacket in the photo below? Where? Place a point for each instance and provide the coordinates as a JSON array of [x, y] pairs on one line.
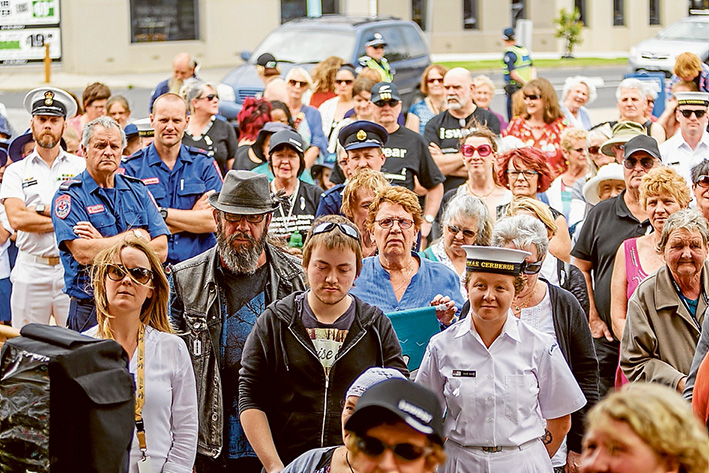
[[196, 313]]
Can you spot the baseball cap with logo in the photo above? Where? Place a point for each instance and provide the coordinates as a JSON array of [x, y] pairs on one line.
[[287, 138], [267, 60], [384, 91]]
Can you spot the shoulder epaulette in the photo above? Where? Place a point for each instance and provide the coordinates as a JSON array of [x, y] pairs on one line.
[[194, 149], [132, 178], [137, 154], [64, 186]]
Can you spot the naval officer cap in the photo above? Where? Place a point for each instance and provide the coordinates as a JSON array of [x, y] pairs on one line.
[[145, 129], [492, 259], [51, 102], [692, 98], [362, 134]]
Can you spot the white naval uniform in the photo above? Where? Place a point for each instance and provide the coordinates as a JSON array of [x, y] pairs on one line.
[[498, 396], [38, 275], [677, 154]]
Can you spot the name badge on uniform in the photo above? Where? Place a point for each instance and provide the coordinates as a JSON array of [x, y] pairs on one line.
[[29, 182], [95, 209], [145, 465], [150, 180], [464, 373]]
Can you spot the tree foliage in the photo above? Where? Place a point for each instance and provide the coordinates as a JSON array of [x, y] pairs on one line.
[[568, 27]]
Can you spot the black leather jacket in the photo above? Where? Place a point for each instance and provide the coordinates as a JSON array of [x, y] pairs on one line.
[[196, 314]]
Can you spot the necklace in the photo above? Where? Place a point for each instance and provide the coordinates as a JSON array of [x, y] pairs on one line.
[[347, 459], [524, 304], [406, 274], [433, 108], [470, 189]]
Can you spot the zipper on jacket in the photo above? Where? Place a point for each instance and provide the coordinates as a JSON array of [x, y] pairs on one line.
[[324, 410]]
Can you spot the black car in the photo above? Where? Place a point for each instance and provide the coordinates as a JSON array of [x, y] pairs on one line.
[[307, 41]]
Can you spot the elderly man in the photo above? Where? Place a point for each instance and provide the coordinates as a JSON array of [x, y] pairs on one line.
[[95, 210], [443, 132], [594, 253], [27, 190], [374, 57], [631, 96], [690, 145], [408, 161], [180, 178], [184, 66], [217, 297]]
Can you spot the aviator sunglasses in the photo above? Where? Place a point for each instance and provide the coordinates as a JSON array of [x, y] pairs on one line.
[[373, 447], [116, 272], [327, 227], [646, 163]]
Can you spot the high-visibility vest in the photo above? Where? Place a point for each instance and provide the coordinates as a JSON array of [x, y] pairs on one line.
[[523, 63], [383, 69]]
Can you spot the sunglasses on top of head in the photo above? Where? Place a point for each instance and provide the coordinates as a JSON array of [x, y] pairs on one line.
[[327, 227]]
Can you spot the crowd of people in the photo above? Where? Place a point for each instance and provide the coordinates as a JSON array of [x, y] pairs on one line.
[[257, 273]]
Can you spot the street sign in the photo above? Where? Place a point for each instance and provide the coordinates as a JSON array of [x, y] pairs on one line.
[[25, 27]]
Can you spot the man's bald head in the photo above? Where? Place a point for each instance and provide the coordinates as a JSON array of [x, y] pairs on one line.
[[183, 66], [458, 83], [169, 100]]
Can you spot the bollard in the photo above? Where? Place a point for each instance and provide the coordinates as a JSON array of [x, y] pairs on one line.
[[47, 64]]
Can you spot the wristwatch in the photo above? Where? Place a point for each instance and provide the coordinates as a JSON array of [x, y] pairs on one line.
[[40, 209], [429, 218], [163, 212], [137, 233]]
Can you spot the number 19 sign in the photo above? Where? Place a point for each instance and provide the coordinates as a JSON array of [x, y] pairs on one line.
[[25, 27]]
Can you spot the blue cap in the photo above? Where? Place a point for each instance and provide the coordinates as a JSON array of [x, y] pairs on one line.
[[508, 34], [376, 40], [5, 127], [362, 134], [16, 145], [131, 131]]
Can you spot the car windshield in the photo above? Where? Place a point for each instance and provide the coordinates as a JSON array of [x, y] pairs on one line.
[[306, 46], [686, 30]]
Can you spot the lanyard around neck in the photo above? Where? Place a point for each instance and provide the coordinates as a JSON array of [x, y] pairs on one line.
[[140, 391], [686, 305]]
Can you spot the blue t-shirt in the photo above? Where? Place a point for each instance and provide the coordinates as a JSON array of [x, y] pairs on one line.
[[330, 201], [421, 110]]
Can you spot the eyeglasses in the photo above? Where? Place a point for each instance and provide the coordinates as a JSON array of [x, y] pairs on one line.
[[532, 268], [297, 83], [392, 103], [435, 80], [646, 163], [386, 223], [209, 97], [117, 272], [594, 149], [327, 227], [343, 81], [697, 113], [234, 218], [703, 181], [466, 233], [469, 150], [526, 174], [532, 97], [373, 447]]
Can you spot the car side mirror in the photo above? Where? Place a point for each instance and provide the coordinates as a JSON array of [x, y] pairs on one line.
[[245, 55]]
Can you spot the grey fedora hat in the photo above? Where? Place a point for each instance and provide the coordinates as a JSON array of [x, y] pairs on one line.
[[244, 193]]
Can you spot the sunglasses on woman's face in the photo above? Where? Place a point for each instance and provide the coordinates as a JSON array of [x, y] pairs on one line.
[[117, 272], [297, 83], [703, 181], [373, 447], [532, 97], [343, 81], [469, 150], [435, 80], [210, 97], [532, 268], [594, 149], [466, 233]]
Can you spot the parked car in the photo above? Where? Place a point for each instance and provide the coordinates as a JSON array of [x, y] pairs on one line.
[[307, 41], [659, 53]]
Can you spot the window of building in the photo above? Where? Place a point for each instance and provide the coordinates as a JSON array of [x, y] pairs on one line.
[[618, 12], [518, 11], [581, 5], [470, 15], [418, 13], [164, 20], [654, 12], [291, 9]]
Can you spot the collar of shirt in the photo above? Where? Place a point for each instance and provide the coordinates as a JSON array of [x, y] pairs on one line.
[[622, 210], [510, 328], [155, 160], [91, 186]]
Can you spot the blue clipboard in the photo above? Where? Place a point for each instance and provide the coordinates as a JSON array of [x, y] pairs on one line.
[[414, 328]]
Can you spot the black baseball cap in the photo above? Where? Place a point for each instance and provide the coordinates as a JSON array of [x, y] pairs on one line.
[[642, 143], [267, 60], [417, 406], [384, 91], [288, 138]]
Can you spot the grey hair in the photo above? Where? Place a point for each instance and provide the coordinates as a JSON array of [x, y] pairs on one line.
[[105, 122], [522, 231], [193, 88], [701, 169], [631, 84], [301, 72], [484, 80], [685, 219], [576, 80], [468, 206]]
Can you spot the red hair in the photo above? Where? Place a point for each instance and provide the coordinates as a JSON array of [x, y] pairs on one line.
[[533, 159], [254, 114]]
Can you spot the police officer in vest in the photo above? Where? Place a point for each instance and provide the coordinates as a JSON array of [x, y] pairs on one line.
[[518, 67], [180, 178], [28, 187], [95, 210], [374, 58]]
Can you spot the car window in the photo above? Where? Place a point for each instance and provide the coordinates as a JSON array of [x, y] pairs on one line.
[[306, 46], [412, 38], [686, 30], [396, 49]]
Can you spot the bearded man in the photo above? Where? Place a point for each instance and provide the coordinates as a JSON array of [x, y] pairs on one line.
[[216, 299]]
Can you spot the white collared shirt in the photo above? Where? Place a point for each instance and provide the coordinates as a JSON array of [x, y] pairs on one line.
[[34, 182], [498, 396], [677, 154]]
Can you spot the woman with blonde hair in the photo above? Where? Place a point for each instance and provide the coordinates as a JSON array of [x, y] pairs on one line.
[[357, 196], [131, 292], [434, 101], [644, 428], [306, 119]]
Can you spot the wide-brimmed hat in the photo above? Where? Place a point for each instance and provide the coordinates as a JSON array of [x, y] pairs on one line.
[[622, 133], [14, 151], [609, 172], [244, 193]]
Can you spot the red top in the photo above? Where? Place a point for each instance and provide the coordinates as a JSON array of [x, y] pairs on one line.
[[549, 142], [318, 98]]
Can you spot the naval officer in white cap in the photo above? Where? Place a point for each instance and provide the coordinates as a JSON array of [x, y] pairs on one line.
[[27, 190]]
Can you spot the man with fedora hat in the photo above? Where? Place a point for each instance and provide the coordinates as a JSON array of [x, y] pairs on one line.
[[217, 297], [27, 190], [595, 250]]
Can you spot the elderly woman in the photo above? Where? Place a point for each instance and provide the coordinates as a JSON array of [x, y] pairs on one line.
[[557, 313], [306, 119], [505, 385], [541, 124], [484, 91], [665, 314], [433, 103], [632, 104], [525, 173], [574, 148], [397, 278], [644, 428], [465, 221], [131, 293], [356, 199], [578, 92], [662, 193], [118, 108], [204, 130]]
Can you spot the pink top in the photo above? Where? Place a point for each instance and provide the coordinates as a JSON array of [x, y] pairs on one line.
[[634, 273]]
